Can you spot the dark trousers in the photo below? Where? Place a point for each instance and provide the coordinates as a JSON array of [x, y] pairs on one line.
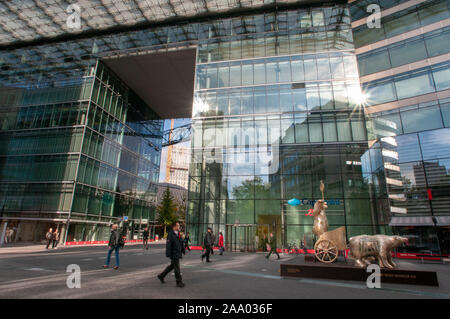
[[55, 243], [273, 250], [48, 242], [186, 246], [145, 242], [207, 252], [174, 265]]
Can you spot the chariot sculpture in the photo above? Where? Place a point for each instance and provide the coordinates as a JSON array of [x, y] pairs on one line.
[[363, 248], [329, 243]]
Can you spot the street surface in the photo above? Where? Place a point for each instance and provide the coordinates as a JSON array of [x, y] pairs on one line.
[[33, 272]]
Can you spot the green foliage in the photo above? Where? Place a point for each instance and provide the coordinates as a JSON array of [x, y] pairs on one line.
[[167, 210]]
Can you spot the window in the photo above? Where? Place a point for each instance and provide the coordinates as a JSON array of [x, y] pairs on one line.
[[416, 85], [421, 119], [310, 69], [438, 43], [442, 79], [407, 53], [380, 93]]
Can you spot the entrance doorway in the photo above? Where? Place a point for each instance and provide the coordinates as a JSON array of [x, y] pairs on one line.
[[245, 237]]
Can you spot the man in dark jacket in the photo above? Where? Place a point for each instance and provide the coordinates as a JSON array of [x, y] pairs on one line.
[[207, 244], [273, 246], [174, 251], [114, 244]]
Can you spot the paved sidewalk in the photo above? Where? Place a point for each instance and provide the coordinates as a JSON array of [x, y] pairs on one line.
[[24, 248], [43, 274]]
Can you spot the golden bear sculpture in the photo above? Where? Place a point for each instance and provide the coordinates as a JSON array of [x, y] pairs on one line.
[[365, 249]]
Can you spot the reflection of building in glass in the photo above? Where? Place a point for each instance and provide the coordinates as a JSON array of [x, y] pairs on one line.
[[282, 112], [177, 171], [404, 69]]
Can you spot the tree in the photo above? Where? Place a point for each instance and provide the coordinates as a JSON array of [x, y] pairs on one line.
[[167, 210]]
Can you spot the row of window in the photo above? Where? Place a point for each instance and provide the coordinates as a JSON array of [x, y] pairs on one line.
[[92, 201], [37, 197], [123, 134], [299, 97], [105, 150], [350, 211], [403, 21], [304, 128], [41, 142], [279, 187], [415, 49], [50, 95], [423, 81], [104, 176], [52, 115], [38, 168], [274, 44], [415, 118], [277, 70]]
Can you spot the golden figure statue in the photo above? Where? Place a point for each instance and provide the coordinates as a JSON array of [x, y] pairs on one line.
[[320, 218], [365, 249]]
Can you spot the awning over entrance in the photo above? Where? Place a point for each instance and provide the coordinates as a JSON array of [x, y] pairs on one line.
[[443, 220], [412, 221]]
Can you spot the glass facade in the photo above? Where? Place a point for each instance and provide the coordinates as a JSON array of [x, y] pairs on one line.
[[409, 117], [85, 153], [273, 115], [286, 94]]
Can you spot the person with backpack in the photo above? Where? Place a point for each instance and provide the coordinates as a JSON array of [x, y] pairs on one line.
[[49, 237], [115, 243], [174, 251]]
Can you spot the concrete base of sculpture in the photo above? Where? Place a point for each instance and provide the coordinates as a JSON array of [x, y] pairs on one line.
[[350, 272]]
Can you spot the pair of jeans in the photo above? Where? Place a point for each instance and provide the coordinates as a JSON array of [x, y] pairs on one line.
[[108, 258], [221, 249], [174, 265], [208, 250]]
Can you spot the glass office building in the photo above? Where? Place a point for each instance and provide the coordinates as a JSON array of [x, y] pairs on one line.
[[404, 70], [282, 94]]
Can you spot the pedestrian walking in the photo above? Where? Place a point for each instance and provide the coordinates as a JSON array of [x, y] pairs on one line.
[[273, 245], [55, 238], [49, 237], [221, 246], [207, 244], [115, 241], [145, 237], [174, 251], [187, 240]]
